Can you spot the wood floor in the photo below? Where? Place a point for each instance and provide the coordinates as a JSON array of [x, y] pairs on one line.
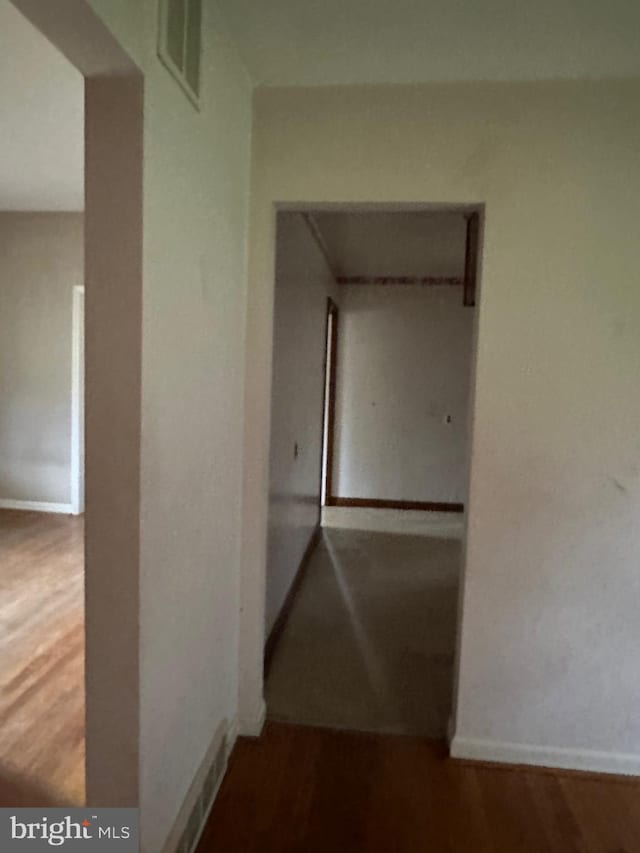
[[41, 660], [306, 790]]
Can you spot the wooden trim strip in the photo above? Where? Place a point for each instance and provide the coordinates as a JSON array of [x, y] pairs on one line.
[[376, 503], [285, 610], [426, 280], [331, 364], [471, 260]]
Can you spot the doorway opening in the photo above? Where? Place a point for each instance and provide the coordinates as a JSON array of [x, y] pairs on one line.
[[374, 327], [71, 198], [41, 388]]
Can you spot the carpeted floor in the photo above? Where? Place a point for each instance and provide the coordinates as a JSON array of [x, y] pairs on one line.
[[369, 644]]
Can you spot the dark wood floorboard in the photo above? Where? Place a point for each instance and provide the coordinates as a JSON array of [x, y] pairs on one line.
[[307, 790], [41, 659]]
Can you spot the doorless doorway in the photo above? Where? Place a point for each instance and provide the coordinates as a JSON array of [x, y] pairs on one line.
[[113, 325], [395, 447]]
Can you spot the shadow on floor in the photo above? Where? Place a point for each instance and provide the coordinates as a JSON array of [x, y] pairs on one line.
[[370, 641]]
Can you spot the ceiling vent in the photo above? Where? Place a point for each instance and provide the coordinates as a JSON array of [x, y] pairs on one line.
[[180, 43]]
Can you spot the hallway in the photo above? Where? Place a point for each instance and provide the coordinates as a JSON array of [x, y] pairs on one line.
[[41, 660], [370, 639]]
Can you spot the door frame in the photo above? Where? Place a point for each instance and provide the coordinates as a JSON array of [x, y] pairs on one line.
[[77, 400], [113, 250], [257, 426], [329, 402]]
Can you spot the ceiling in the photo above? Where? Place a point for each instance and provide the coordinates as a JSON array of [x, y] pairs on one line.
[[312, 42], [42, 121], [323, 42], [395, 245]]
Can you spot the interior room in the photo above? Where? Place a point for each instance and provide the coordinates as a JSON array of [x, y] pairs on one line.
[[41, 419], [369, 468]]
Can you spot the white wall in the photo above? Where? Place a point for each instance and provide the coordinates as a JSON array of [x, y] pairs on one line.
[[41, 259], [196, 187], [404, 365], [303, 284], [42, 162], [550, 630]]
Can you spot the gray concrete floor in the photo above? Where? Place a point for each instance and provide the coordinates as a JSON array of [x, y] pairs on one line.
[[369, 644]]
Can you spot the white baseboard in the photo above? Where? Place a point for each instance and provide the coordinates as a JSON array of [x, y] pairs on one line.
[[232, 734], [625, 764], [412, 522], [254, 726], [451, 730], [194, 812], [36, 506], [251, 719]]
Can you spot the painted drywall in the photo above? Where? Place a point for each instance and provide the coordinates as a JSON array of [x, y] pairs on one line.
[[402, 394], [41, 259], [196, 186], [42, 100], [550, 628], [289, 43], [303, 284], [113, 355]]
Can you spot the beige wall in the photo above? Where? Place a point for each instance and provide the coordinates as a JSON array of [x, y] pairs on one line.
[[166, 285], [404, 364], [196, 187], [550, 630], [196, 194], [303, 283], [41, 259]]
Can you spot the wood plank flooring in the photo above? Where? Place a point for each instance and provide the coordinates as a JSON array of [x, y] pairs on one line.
[[41, 659], [301, 789]]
